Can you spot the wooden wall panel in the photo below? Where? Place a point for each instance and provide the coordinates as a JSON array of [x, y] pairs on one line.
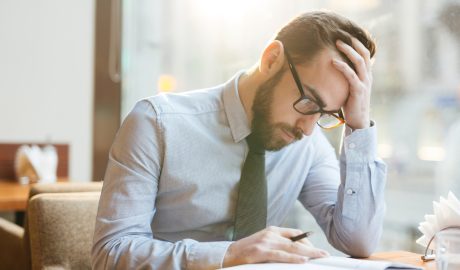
[[107, 93]]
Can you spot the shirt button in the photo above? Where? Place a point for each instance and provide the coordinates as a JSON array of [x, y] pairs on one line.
[[352, 145], [349, 191], [229, 234]]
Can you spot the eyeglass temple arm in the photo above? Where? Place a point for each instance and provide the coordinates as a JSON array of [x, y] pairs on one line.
[[294, 72], [299, 84]]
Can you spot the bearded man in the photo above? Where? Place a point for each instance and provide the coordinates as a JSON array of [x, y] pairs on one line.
[[205, 179]]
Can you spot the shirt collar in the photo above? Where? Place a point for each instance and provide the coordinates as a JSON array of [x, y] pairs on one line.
[[236, 115]]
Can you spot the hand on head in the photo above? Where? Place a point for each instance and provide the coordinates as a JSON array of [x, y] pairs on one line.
[[357, 107]]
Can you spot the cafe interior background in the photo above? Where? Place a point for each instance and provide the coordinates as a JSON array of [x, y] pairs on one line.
[[70, 71]]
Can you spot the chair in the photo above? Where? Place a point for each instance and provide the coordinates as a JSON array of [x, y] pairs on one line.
[[15, 241], [61, 229]]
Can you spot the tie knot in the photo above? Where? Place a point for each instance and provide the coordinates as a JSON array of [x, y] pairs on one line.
[[254, 145]]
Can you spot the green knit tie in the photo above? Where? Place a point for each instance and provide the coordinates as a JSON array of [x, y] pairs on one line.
[[251, 209]]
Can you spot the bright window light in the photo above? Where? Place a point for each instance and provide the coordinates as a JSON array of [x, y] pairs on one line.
[[166, 83], [353, 5], [384, 151], [431, 153], [232, 11]]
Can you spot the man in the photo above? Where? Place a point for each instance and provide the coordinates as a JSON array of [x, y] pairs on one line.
[[204, 179]]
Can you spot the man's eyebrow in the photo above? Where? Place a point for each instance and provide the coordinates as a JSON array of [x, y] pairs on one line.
[[317, 97], [315, 94]]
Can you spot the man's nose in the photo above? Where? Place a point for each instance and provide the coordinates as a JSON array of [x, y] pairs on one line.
[[307, 123]]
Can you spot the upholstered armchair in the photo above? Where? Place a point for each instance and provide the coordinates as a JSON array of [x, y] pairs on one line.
[[15, 241], [61, 229]]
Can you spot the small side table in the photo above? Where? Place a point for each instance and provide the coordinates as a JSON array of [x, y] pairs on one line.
[[14, 197]]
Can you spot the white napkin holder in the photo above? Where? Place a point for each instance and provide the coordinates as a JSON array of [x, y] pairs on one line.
[[33, 164], [446, 217]]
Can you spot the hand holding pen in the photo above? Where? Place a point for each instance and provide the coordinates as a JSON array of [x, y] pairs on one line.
[[301, 236], [274, 244]]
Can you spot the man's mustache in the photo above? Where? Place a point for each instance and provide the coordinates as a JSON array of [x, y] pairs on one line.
[[295, 131]]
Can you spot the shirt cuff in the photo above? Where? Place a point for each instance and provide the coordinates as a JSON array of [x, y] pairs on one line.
[[207, 255], [360, 145]]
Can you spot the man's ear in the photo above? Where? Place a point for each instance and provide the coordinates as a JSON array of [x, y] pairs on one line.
[[272, 59]]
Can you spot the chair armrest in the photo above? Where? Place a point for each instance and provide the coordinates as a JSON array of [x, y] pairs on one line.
[[65, 188], [11, 246], [61, 229], [55, 188]]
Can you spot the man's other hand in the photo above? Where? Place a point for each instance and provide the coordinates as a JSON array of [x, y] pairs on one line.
[[271, 244], [358, 103]]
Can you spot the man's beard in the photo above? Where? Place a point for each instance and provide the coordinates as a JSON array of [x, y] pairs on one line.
[[267, 132]]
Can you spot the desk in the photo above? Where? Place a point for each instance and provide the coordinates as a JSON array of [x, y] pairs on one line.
[[14, 196], [403, 257]]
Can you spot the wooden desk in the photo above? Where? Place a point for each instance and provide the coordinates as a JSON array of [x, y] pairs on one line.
[[14, 196], [403, 257]]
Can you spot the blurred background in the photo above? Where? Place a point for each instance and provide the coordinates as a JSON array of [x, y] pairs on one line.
[[70, 71]]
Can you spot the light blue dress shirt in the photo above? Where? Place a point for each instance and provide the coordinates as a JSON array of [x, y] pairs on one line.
[[171, 186]]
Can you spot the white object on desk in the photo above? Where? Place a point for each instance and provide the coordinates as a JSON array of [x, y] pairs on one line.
[[34, 162], [446, 213], [331, 263]]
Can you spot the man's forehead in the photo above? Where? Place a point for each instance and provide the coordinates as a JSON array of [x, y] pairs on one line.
[[323, 82], [314, 93]]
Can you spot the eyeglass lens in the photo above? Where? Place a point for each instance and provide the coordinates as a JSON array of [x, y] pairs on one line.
[[328, 121], [306, 106]]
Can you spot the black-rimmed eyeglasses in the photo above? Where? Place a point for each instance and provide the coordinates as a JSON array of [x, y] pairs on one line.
[[308, 106]]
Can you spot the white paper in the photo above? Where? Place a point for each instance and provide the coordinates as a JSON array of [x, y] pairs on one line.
[[348, 263], [453, 200], [283, 266], [438, 214], [331, 263], [431, 219]]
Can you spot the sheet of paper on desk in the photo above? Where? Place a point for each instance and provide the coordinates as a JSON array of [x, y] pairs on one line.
[[331, 263]]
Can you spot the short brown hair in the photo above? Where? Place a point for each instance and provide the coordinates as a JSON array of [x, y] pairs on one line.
[[305, 36]]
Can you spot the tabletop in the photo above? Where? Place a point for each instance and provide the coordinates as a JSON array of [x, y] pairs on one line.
[[14, 196], [403, 257]]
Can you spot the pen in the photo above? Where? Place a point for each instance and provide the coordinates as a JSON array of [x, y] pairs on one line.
[[301, 236]]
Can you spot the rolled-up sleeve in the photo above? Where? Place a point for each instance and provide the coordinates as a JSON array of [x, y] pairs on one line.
[[350, 210], [123, 234]]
